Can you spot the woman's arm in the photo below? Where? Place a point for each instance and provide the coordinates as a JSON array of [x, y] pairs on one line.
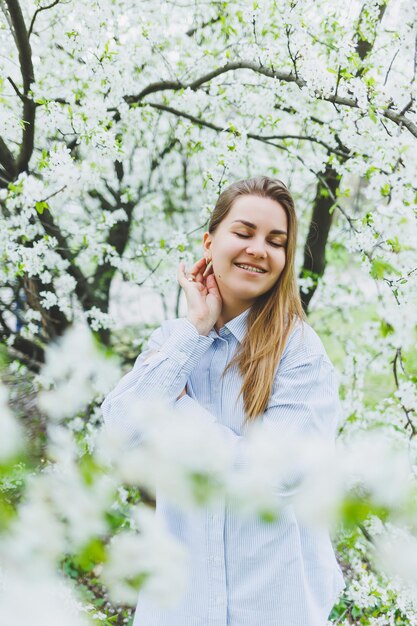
[[172, 352], [305, 403], [161, 370]]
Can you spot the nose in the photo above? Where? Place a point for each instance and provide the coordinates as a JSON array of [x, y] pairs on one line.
[[257, 248]]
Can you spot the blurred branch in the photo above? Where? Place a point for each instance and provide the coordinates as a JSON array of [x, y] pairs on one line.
[[31, 354], [35, 15], [294, 57], [193, 30], [398, 359], [118, 236], [263, 138]]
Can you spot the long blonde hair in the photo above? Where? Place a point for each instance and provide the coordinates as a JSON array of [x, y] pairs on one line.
[[274, 314]]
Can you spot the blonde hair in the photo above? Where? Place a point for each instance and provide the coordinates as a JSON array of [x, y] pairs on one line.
[[274, 314]]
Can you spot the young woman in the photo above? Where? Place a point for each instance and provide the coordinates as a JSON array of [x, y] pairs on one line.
[[243, 352]]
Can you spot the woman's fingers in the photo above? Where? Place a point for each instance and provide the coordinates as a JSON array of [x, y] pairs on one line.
[[181, 276], [196, 276], [185, 278], [197, 269], [212, 286], [203, 296], [208, 269]]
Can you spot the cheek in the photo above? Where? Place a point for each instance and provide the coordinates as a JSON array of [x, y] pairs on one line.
[[280, 261], [282, 256], [228, 252]]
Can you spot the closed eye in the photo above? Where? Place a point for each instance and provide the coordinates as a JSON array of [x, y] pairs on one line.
[[273, 243]]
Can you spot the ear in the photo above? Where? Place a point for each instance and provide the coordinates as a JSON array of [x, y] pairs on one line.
[[207, 240]]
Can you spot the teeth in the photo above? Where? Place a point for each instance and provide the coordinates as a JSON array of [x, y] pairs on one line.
[[251, 269]]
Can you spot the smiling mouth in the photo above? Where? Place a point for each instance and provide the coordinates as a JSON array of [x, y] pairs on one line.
[[249, 269]]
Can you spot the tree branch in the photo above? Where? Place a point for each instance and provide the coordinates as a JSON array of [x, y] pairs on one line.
[[365, 46], [81, 289], [206, 78], [389, 113], [7, 160], [314, 263], [316, 242], [15, 87], [26, 67]]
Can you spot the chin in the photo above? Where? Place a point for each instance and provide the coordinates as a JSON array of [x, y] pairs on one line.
[[248, 295]]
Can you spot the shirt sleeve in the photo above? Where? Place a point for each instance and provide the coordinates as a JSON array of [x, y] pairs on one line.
[[304, 403], [177, 348]]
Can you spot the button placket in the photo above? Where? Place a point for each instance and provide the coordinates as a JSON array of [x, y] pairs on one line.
[[216, 565], [217, 366], [216, 516]]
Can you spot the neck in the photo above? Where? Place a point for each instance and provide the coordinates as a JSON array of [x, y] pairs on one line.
[[230, 311]]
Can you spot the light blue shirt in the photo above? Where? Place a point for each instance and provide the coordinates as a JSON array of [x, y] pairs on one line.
[[243, 572]]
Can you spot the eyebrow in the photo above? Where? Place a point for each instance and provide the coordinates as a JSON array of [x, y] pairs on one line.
[[254, 227]]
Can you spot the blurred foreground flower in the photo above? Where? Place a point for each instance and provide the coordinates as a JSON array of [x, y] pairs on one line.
[[151, 558], [11, 433], [77, 373], [45, 599], [181, 455], [193, 461]]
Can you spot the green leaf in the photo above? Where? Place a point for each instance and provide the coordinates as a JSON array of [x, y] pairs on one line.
[[44, 160], [385, 190], [395, 244], [89, 469], [15, 187], [372, 115], [93, 553], [379, 268], [268, 517], [368, 219], [386, 328], [41, 206]]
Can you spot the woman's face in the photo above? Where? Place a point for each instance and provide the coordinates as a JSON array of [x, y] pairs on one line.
[[253, 233]]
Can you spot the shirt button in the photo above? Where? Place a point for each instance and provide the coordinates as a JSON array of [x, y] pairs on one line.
[[219, 599]]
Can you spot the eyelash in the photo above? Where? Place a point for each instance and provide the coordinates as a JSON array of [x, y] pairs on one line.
[[275, 245]]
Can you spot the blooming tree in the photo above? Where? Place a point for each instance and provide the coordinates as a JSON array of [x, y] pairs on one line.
[[119, 125]]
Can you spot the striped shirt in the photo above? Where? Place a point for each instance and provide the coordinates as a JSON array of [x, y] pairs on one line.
[[243, 571]]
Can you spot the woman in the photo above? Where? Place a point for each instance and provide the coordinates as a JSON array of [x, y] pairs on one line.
[[242, 353]]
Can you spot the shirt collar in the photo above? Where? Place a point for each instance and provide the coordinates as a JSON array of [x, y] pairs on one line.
[[237, 326]]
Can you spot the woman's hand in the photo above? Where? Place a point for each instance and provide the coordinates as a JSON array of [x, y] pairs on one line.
[[203, 296]]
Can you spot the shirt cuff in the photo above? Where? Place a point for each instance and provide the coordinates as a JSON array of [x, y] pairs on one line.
[[185, 345]]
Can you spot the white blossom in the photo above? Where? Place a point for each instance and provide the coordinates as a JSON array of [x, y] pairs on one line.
[[152, 554]]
